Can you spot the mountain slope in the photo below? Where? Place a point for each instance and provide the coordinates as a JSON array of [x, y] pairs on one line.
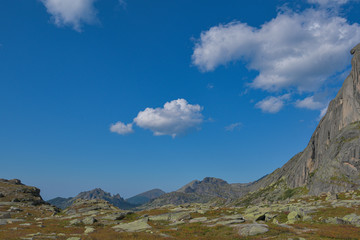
[[145, 197]]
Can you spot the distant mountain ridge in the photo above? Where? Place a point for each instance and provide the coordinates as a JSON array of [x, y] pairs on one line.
[[96, 193], [115, 200], [208, 189], [145, 197]]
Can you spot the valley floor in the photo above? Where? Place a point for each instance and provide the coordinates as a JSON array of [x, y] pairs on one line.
[[323, 217]]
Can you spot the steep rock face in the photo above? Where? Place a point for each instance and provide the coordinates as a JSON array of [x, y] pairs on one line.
[[330, 161]]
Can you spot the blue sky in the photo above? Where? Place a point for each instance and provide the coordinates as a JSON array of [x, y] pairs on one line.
[[133, 95]]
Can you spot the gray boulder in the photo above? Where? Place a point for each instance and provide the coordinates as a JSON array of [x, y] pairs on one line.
[[252, 229]]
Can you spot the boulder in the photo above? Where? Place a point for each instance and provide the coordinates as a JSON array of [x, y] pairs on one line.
[[199, 219], [252, 229], [89, 220], [352, 219], [75, 222], [293, 217], [136, 226], [230, 222], [89, 230]]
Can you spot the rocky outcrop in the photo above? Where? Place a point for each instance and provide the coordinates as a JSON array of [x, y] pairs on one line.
[[14, 191]]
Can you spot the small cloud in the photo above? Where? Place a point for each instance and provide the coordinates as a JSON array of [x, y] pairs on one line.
[[176, 117], [210, 86], [121, 128], [123, 3], [73, 13], [244, 92], [309, 103], [272, 104], [233, 126]]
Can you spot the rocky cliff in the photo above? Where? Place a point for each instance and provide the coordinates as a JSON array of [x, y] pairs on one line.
[[331, 160]]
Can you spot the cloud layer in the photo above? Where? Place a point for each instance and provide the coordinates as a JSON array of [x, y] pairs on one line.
[[73, 13], [293, 50], [174, 118]]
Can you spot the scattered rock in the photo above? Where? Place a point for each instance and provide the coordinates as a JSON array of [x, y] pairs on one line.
[[25, 224], [5, 215], [14, 209]]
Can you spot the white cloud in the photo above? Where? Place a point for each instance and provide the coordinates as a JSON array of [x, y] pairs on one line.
[[309, 103], [210, 86], [329, 3], [123, 3], [233, 126], [176, 117], [272, 104], [72, 13], [121, 128], [293, 50]]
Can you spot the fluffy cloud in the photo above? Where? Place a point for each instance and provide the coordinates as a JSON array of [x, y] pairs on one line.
[[272, 104], [72, 13], [293, 50], [174, 118], [121, 128], [309, 103]]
